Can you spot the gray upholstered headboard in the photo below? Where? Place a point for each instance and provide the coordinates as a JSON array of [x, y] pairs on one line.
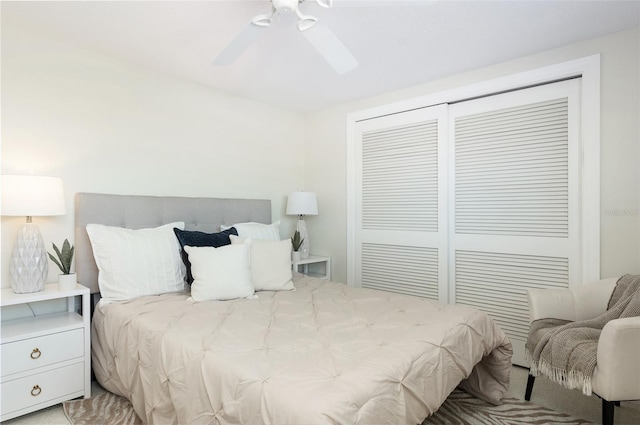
[[137, 212]]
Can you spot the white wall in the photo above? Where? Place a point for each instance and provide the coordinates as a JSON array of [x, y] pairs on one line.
[[108, 126], [325, 149], [103, 125]]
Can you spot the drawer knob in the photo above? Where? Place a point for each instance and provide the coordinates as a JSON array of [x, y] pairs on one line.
[[36, 390], [36, 353]]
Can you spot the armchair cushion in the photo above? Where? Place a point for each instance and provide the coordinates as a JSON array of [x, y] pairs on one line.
[[551, 304], [575, 303]]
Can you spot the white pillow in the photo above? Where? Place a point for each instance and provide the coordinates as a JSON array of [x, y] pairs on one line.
[[257, 230], [220, 273], [134, 263], [270, 264]]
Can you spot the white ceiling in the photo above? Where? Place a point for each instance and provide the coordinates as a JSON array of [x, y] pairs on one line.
[[397, 43]]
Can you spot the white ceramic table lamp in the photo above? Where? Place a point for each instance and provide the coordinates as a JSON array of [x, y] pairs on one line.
[[301, 204], [30, 196]]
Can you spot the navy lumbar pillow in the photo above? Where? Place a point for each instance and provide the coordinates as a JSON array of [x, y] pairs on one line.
[[195, 238]]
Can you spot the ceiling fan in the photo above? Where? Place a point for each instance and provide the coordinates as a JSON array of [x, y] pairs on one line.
[[318, 34]]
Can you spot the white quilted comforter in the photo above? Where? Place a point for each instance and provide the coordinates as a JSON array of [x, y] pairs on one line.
[[323, 354]]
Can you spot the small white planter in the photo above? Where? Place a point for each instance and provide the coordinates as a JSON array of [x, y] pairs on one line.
[[67, 282], [295, 256]]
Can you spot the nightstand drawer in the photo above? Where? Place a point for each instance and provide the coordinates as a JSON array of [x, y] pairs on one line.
[[28, 354], [42, 387]]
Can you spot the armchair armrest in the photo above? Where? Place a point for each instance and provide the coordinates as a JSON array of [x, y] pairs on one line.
[[617, 374]]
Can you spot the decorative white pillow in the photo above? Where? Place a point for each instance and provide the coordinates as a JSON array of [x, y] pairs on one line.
[[135, 263], [270, 263], [257, 230], [220, 273]]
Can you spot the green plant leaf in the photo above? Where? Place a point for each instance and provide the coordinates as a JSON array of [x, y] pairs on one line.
[[55, 248], [296, 241], [56, 262], [65, 257]]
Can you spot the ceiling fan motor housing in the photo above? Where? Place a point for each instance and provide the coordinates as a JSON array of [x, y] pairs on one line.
[[322, 38], [285, 6]]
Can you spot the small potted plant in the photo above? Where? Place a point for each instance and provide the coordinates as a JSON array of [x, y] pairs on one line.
[[67, 280], [296, 242]]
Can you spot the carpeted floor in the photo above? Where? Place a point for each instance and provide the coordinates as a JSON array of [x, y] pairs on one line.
[[459, 409]]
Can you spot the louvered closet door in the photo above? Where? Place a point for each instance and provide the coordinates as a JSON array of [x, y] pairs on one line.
[[514, 207], [401, 235]]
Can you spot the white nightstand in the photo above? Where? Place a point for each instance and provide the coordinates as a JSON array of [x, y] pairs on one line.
[[45, 359], [314, 259]]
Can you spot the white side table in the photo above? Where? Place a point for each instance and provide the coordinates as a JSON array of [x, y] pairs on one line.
[[45, 359], [313, 259]]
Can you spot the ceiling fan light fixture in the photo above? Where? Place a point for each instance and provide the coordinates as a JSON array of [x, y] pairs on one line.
[[262, 20], [305, 21]]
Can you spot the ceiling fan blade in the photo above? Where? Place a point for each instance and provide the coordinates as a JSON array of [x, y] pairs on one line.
[[332, 49], [239, 44], [325, 3]]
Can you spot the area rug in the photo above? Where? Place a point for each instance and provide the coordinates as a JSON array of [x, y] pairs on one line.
[[104, 409], [459, 409]]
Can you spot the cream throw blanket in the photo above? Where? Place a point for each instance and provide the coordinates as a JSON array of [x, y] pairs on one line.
[[565, 352]]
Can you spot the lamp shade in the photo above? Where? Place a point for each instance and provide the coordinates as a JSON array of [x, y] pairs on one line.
[[32, 196], [302, 203]]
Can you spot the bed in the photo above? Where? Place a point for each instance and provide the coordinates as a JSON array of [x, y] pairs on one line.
[[324, 353]]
